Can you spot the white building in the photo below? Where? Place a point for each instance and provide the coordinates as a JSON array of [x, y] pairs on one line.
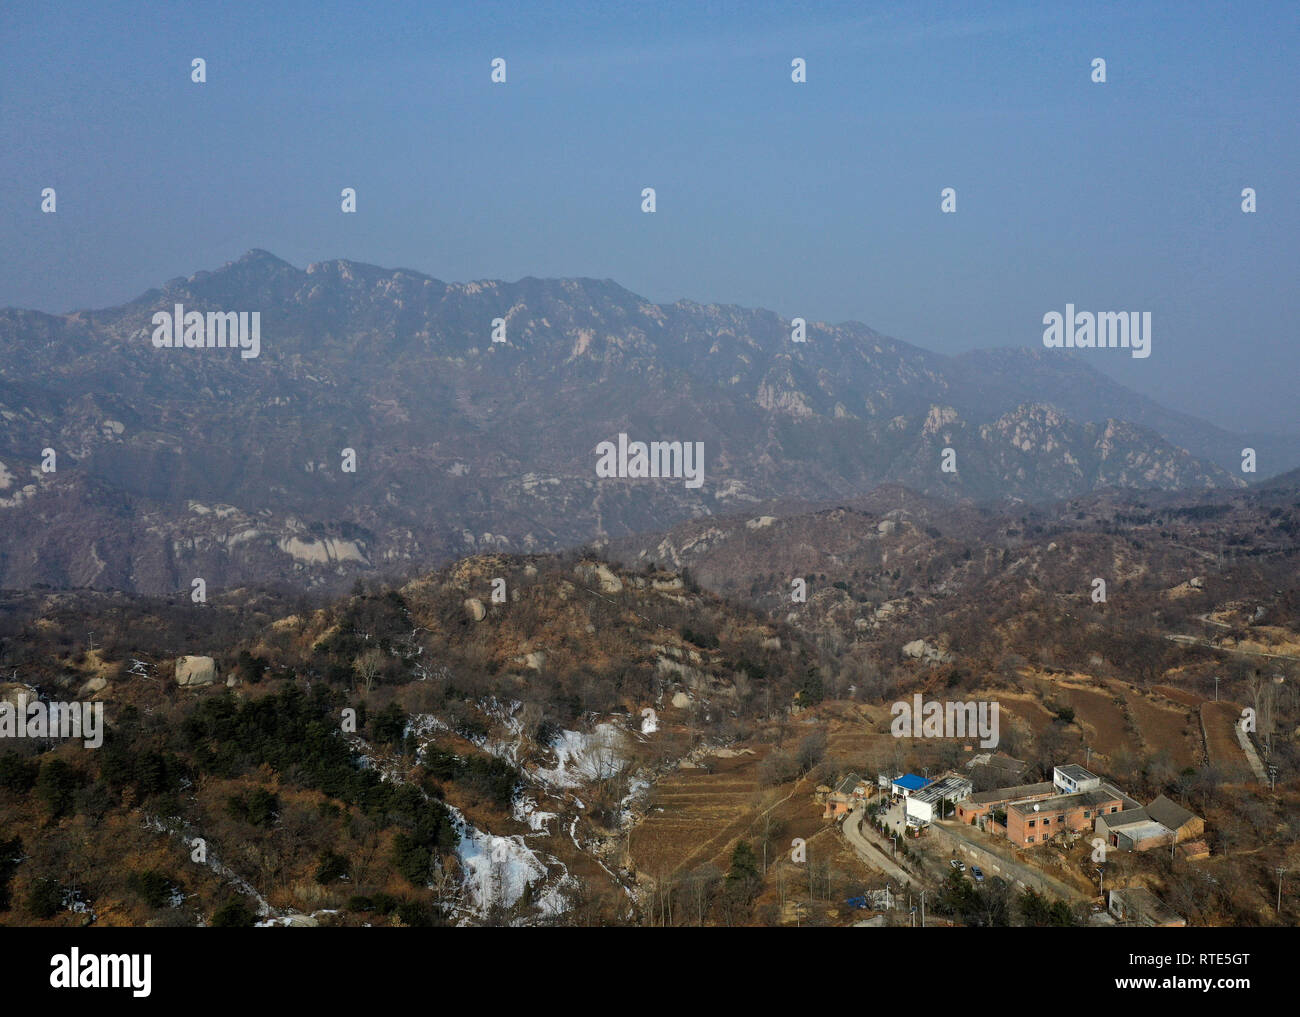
[[1072, 778], [924, 806]]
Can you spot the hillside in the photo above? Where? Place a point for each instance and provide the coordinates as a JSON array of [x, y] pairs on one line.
[[566, 739], [500, 750]]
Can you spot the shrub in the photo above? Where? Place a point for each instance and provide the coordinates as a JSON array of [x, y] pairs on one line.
[[45, 898], [17, 774], [56, 787], [151, 886], [234, 914], [331, 866]]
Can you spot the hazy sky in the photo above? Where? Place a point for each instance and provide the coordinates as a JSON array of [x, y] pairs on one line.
[[819, 199]]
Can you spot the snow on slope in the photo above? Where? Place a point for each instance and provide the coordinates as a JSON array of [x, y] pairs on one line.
[[582, 757], [495, 871], [498, 870]]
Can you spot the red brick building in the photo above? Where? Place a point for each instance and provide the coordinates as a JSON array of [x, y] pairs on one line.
[[976, 807], [1030, 823]]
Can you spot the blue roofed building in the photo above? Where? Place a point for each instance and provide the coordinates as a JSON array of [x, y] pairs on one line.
[[907, 783]]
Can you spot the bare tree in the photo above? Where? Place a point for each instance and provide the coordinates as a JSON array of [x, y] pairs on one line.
[[368, 665]]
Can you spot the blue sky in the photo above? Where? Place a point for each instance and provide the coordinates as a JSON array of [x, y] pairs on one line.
[[819, 200]]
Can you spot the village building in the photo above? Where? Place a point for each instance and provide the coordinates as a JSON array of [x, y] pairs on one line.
[[977, 809], [849, 792], [1184, 825], [922, 807], [1072, 777], [995, 769], [907, 784], [1131, 830], [1163, 823], [1035, 822], [1033, 813]]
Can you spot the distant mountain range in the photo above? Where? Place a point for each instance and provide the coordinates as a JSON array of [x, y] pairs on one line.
[[181, 463]]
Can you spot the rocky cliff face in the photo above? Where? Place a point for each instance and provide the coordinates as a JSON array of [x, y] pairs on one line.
[[173, 464]]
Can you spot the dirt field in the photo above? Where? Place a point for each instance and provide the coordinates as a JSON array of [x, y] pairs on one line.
[[1102, 721], [1183, 696], [1026, 709], [1167, 727], [1171, 729], [1225, 751]]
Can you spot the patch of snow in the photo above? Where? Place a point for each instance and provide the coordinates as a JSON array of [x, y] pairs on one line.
[[497, 870], [524, 810], [583, 757]]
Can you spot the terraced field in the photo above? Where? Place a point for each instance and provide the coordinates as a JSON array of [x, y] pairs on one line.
[[1171, 729], [696, 815], [1103, 722], [1225, 751]]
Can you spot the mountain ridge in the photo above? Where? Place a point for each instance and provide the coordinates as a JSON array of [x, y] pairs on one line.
[[468, 445]]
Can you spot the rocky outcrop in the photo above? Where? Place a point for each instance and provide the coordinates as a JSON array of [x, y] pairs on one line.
[[919, 649], [194, 672], [599, 574]]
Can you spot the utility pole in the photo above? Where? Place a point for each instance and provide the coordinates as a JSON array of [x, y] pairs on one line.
[[923, 909], [1101, 883], [1217, 679], [1280, 870]]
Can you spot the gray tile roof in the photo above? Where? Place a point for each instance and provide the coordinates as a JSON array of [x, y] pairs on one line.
[[1169, 814]]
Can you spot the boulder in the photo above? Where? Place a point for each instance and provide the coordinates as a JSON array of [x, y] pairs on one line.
[[599, 574], [96, 684], [676, 669], [192, 672], [16, 694], [474, 607], [681, 700], [919, 649]]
